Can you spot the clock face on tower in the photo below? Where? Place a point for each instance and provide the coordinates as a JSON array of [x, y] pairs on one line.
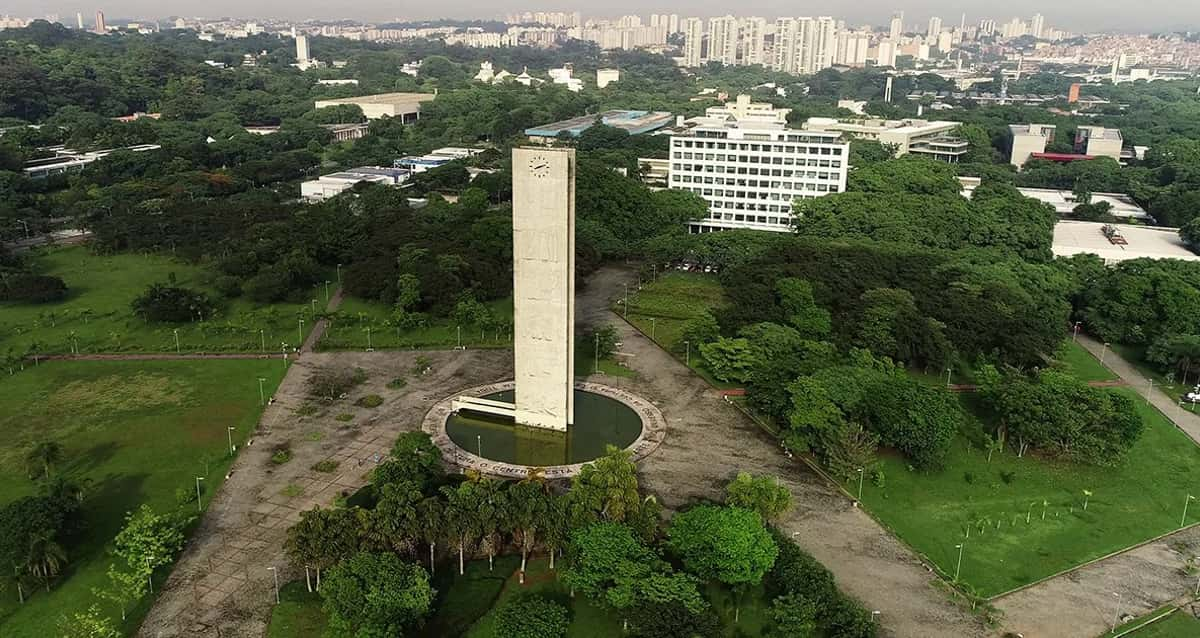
[[539, 166]]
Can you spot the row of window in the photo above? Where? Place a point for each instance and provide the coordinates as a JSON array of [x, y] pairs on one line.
[[743, 170], [756, 159], [764, 148], [723, 135], [754, 219], [758, 183]]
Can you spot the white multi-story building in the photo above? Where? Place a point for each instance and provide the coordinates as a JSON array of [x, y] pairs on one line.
[[751, 173], [896, 28], [935, 27], [852, 48], [693, 41], [723, 40], [804, 45], [754, 47], [1037, 26]]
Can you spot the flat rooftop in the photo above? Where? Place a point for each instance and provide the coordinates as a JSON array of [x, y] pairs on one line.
[[1101, 133], [635, 122], [398, 99], [876, 124], [1064, 202], [1075, 237]]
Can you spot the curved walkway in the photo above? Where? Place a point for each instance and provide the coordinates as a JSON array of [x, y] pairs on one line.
[[1083, 603]]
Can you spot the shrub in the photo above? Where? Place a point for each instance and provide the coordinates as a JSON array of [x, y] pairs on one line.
[[331, 383], [307, 409], [326, 466], [531, 616], [397, 383], [282, 455], [166, 303], [369, 401], [422, 365], [344, 417], [32, 288]]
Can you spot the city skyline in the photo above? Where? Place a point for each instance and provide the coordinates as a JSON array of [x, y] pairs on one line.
[[1076, 15]]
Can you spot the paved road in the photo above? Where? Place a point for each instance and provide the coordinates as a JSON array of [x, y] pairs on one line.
[[1084, 602], [708, 441]]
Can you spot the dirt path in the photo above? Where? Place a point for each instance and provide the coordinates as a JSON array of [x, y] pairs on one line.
[[1084, 602], [221, 587], [709, 441]]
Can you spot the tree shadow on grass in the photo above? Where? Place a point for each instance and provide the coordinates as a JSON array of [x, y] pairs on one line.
[[81, 464]]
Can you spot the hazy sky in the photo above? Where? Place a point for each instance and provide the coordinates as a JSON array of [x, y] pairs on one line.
[[1073, 15]]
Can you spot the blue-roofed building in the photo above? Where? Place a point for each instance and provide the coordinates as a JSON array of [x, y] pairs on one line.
[[635, 122]]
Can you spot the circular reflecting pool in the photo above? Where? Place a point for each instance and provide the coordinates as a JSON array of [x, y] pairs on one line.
[[599, 422]]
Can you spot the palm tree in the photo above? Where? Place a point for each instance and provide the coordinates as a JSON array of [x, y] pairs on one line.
[[43, 456], [431, 519], [528, 507], [493, 509], [461, 517], [46, 557]]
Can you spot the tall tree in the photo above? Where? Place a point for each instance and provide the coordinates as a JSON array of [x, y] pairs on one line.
[[376, 595], [42, 458], [321, 539]]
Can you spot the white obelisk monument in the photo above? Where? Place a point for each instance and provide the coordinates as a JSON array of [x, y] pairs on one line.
[[544, 285]]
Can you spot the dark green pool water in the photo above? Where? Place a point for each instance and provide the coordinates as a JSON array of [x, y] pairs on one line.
[[599, 422]]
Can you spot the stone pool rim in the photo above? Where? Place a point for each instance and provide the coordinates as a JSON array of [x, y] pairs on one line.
[[654, 427]]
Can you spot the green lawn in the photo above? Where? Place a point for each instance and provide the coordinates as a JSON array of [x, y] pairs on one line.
[[1140, 498], [96, 317], [298, 614], [135, 432], [348, 330], [1080, 363], [1180, 624], [1170, 383], [662, 308]]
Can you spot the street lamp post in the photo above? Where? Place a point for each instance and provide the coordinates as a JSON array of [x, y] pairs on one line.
[[479, 444], [1183, 519], [653, 326], [176, 331], [1117, 616], [229, 431], [687, 353], [459, 331], [958, 565], [861, 473], [149, 575], [301, 332], [326, 291], [275, 574], [262, 394], [626, 308], [948, 377], [314, 308], [199, 508], [262, 336], [369, 348], [339, 274]]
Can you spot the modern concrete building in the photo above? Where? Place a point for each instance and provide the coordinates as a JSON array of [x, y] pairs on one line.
[[635, 122], [804, 45], [754, 46], [1098, 141], [544, 285], [1136, 241], [66, 160], [1027, 139], [750, 173], [933, 138], [302, 49], [723, 40], [406, 106]]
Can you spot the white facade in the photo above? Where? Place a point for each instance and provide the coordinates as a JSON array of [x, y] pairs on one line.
[[604, 77], [751, 175], [754, 48], [544, 286], [852, 48], [723, 40], [302, 48], [747, 112], [693, 41], [1028, 139], [903, 134], [804, 45], [935, 27]]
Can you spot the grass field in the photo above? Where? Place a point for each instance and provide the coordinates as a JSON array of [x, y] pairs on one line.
[[298, 614], [96, 317], [1000, 502], [662, 308], [1074, 358], [348, 330], [135, 432], [1178, 625]]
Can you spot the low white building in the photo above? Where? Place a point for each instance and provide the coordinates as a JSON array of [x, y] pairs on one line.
[[908, 135], [403, 105], [604, 77], [1130, 242], [336, 183]]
